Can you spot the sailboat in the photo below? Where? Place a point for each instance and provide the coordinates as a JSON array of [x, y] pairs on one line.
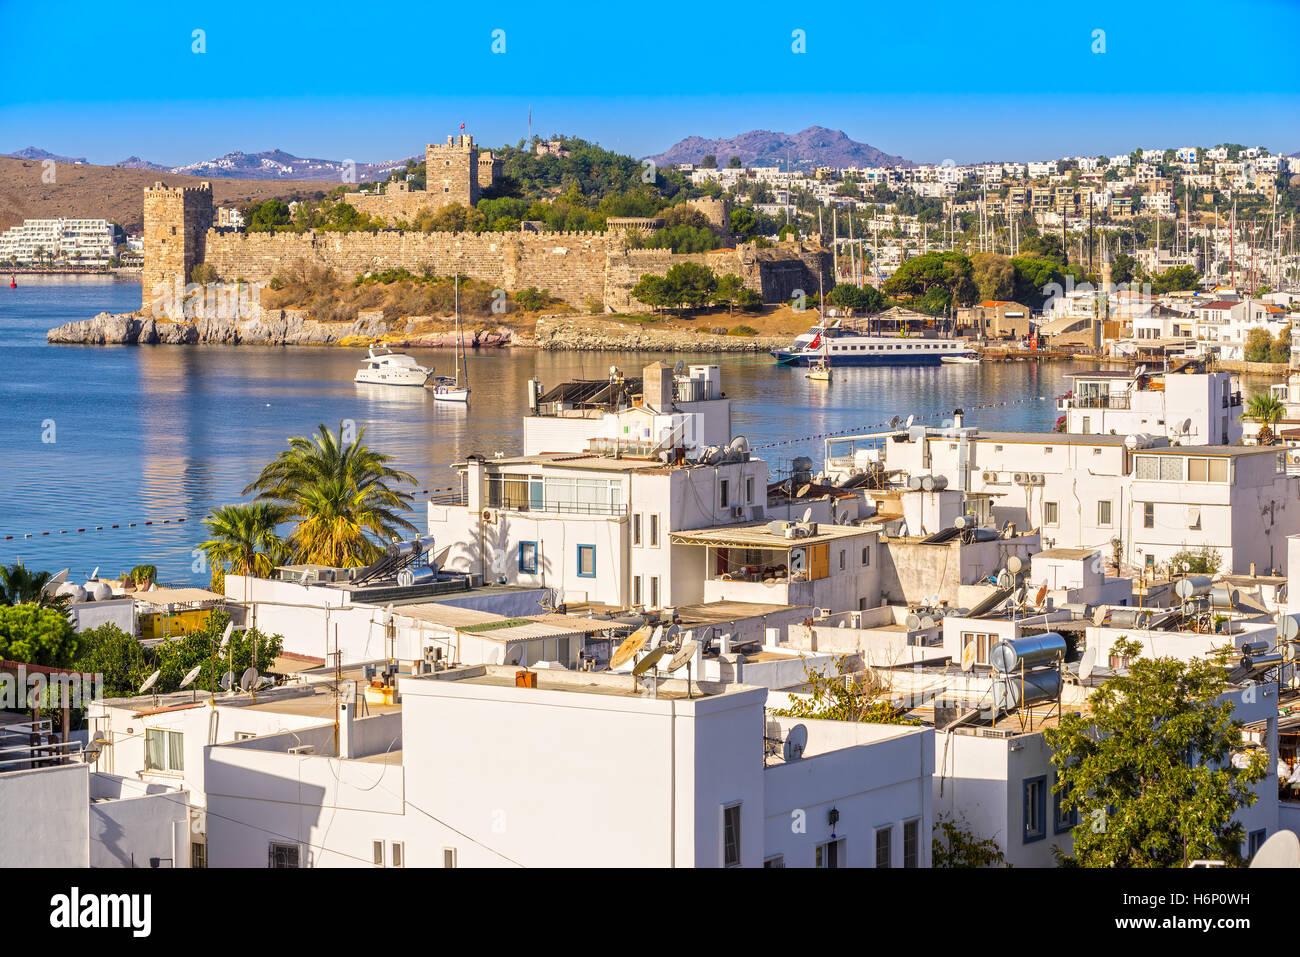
[[820, 369], [446, 388]]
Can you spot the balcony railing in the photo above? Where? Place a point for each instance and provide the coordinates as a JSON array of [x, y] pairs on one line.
[[1119, 400], [565, 508]]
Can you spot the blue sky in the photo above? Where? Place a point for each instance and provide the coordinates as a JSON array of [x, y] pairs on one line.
[[929, 81]]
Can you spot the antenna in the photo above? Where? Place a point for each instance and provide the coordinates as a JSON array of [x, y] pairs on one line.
[[796, 740]]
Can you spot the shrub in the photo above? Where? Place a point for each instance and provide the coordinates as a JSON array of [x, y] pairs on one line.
[[743, 330]]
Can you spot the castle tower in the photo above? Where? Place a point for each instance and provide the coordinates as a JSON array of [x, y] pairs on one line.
[[176, 224], [451, 172]]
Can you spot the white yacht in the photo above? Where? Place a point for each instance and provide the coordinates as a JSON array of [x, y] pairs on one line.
[[385, 367]]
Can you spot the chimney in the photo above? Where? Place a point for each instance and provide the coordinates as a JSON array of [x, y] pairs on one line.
[[347, 703]]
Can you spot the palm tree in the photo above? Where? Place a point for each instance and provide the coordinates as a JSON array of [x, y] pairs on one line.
[[1267, 409], [243, 538], [342, 497], [19, 586]]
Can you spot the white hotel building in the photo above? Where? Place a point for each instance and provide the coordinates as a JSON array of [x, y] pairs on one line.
[[85, 241]]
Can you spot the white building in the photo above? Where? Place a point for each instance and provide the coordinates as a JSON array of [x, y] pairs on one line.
[[1192, 408], [85, 241], [576, 770]]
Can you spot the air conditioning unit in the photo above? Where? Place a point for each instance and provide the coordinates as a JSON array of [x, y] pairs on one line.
[[991, 477], [737, 511], [489, 517], [1021, 478], [303, 749], [1037, 478]]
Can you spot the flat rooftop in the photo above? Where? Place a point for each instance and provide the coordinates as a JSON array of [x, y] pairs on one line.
[[757, 535], [1067, 553], [1038, 438], [619, 685]]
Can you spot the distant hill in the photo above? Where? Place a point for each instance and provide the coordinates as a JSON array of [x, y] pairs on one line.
[[36, 153], [815, 146], [277, 164], [83, 191], [268, 164]]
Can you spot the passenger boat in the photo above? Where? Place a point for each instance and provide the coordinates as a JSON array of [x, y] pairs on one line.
[[385, 367], [845, 347], [966, 359]]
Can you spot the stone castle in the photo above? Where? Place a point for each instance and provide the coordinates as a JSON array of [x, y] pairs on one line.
[[582, 268]]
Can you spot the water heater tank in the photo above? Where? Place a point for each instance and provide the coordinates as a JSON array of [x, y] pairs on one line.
[[1030, 650], [1008, 694]]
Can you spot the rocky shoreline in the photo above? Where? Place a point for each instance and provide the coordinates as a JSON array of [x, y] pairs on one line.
[[292, 328]]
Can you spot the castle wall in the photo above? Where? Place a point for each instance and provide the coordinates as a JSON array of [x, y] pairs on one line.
[[176, 224]]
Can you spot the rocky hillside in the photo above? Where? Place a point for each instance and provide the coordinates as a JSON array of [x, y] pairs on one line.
[[815, 146]]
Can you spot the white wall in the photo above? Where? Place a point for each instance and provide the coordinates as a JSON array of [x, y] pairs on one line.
[[43, 817]]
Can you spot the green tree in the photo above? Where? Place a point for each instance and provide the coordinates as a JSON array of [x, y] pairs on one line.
[[709, 162], [1150, 769], [1177, 279], [691, 285], [1264, 407], [203, 649], [843, 696], [734, 163], [955, 845], [117, 656], [934, 280], [264, 217], [994, 275], [744, 223], [654, 291], [1123, 268], [1195, 561], [36, 635], [243, 540], [864, 299], [342, 496], [19, 586], [1259, 345]]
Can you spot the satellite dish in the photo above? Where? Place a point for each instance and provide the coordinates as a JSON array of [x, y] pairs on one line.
[[1019, 596], [1186, 426], [796, 740], [95, 746], [150, 682], [1098, 615], [1006, 579], [680, 368], [95, 574], [1042, 593], [1280, 850], [49, 587], [190, 676], [968, 657], [657, 637], [630, 646], [807, 515], [225, 635], [910, 420], [1014, 564], [649, 661], [227, 680], [248, 679], [893, 423], [684, 654], [1087, 663], [913, 621]]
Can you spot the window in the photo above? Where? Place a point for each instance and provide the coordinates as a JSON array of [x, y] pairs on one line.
[[528, 558], [1103, 514], [282, 855], [1035, 809], [1255, 841], [636, 528], [866, 554], [1087, 425], [912, 843], [636, 589], [586, 561], [398, 857], [378, 853], [1062, 819], [749, 491], [1171, 468], [843, 560], [654, 591], [885, 846], [731, 836], [1194, 517], [722, 493], [654, 530], [1147, 467], [198, 854], [164, 750], [777, 861], [1051, 513], [830, 854], [1149, 515], [448, 857]]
